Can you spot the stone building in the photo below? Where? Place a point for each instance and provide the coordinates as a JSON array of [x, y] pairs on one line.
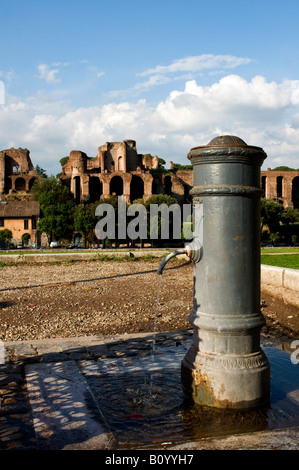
[[118, 169], [21, 217], [19, 212], [282, 186]]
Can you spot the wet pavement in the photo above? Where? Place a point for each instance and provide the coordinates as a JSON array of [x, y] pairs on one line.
[[55, 396]]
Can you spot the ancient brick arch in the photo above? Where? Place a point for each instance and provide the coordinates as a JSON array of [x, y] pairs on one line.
[[95, 188], [20, 184], [31, 183], [136, 188], [116, 185]]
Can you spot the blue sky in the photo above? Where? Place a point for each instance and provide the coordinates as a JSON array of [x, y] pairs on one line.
[[170, 74]]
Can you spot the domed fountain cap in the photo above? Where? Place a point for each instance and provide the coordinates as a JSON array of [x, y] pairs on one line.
[[227, 147], [227, 141]]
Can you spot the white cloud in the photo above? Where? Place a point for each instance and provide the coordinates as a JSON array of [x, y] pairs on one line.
[[182, 69], [48, 74], [8, 76], [198, 63], [262, 113]]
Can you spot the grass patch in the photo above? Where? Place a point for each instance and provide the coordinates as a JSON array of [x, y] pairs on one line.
[[282, 261], [289, 249], [9, 263], [118, 258]]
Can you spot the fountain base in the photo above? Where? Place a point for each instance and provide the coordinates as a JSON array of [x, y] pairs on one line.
[[226, 381]]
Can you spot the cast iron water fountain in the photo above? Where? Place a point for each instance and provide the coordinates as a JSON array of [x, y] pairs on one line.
[[226, 367]]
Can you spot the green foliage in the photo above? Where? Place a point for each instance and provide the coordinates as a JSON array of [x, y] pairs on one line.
[[155, 222], [278, 223], [271, 213], [5, 235], [40, 171], [161, 162], [283, 168], [112, 200], [85, 220], [57, 208], [178, 166], [63, 160], [159, 199]]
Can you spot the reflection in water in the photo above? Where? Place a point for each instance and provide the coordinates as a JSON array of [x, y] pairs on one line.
[[149, 408]]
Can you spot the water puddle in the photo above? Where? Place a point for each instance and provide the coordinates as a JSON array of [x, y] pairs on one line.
[[147, 408]]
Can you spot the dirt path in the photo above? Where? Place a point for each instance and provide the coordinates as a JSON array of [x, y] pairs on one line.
[[94, 298]]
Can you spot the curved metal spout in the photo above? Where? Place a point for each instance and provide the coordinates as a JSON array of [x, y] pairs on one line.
[[193, 250], [179, 251]]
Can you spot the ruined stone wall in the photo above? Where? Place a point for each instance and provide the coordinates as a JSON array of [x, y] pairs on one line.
[[282, 186], [18, 157], [16, 170]]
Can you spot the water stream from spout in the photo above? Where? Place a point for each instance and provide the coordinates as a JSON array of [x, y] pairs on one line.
[[157, 303], [156, 315], [145, 396]]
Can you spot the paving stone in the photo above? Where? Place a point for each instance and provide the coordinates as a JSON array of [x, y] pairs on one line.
[[59, 399]]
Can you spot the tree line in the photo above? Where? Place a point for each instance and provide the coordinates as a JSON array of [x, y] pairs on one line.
[[61, 217], [279, 225]]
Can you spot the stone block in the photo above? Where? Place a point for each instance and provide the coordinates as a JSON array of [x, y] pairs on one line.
[[272, 275], [291, 279]]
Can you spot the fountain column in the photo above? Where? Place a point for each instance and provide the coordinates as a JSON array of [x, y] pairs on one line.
[[225, 366]]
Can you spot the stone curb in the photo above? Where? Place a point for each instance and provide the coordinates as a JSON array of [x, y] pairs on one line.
[[281, 282]]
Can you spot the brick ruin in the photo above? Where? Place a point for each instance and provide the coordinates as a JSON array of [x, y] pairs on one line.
[[282, 186], [118, 169], [17, 173]]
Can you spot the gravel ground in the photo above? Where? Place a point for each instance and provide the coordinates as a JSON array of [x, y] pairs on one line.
[[93, 298]]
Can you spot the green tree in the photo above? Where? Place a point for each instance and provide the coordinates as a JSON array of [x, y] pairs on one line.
[[278, 222], [155, 222], [63, 160], [112, 201], [161, 162], [5, 235], [271, 214], [57, 208], [85, 221], [40, 171]]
